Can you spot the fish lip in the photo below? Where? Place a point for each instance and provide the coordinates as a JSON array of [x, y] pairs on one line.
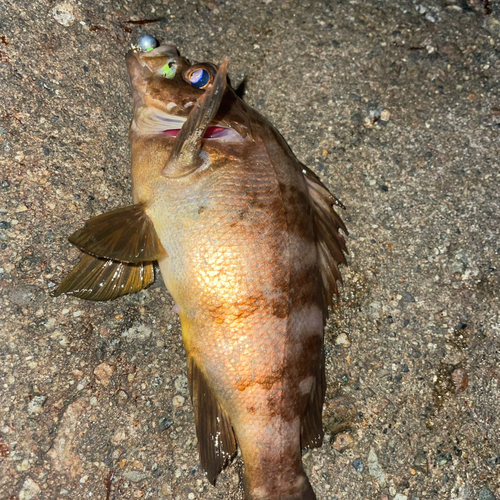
[[171, 126], [213, 132]]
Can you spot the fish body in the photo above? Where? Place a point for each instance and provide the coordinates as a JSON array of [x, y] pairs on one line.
[[248, 246]]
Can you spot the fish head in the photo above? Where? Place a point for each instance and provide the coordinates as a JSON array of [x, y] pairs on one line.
[[165, 88]]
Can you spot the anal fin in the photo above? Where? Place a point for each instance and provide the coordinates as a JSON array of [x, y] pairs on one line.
[[311, 433], [216, 438], [125, 235], [102, 279]]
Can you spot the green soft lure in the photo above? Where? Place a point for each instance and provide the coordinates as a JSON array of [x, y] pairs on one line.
[[167, 71]]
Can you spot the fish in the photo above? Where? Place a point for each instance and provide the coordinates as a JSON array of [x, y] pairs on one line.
[[249, 245]]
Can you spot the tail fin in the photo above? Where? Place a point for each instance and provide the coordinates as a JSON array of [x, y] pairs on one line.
[[298, 489]]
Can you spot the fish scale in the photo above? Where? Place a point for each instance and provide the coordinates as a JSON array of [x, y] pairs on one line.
[[248, 245]]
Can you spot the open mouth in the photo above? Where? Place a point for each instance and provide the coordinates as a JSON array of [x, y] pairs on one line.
[[214, 132], [167, 125]]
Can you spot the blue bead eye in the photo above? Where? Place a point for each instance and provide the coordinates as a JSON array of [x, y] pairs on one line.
[[199, 78], [147, 42]]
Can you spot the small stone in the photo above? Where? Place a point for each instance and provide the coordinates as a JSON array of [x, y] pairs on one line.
[[460, 262], [486, 494], [64, 14], [135, 476], [358, 465], [121, 398], [407, 297], [36, 404], [374, 467], [137, 332], [343, 340], [460, 380], [166, 489], [399, 496], [104, 372], [178, 401], [443, 458], [342, 441], [29, 490], [63, 453], [181, 384], [164, 423], [385, 115]]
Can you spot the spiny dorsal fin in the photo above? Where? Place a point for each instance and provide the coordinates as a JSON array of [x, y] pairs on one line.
[[125, 235], [330, 243], [216, 439], [185, 156], [101, 279]]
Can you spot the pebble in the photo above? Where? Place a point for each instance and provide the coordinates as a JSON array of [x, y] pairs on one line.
[[343, 339], [443, 458], [486, 494], [36, 404], [385, 115], [460, 380], [181, 384], [64, 14], [29, 490], [121, 398], [137, 332], [164, 423], [166, 489], [407, 297], [358, 465], [342, 441], [374, 467], [178, 401], [135, 476], [104, 372], [460, 262]]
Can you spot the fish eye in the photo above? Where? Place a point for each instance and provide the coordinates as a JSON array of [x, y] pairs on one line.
[[198, 77]]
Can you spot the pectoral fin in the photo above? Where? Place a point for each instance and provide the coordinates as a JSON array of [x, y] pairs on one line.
[[185, 156], [125, 235], [216, 439], [101, 279]]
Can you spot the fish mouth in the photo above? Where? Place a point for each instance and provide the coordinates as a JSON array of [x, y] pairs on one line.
[[159, 122], [212, 132]]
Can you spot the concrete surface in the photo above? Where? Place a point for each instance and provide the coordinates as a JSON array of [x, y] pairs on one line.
[[397, 106]]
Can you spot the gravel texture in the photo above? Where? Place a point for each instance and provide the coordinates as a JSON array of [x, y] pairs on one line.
[[396, 105]]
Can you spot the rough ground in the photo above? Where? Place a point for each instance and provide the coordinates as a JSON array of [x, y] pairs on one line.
[[397, 106]]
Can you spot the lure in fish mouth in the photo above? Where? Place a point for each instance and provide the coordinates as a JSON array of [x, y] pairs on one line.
[[174, 86], [249, 246]]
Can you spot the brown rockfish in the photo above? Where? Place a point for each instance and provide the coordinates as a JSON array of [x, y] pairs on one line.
[[248, 245]]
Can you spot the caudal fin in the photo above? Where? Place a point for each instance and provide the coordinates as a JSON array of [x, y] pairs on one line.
[[276, 488]]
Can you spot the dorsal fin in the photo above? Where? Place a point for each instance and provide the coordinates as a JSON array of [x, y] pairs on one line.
[[125, 235], [216, 439], [311, 431], [330, 243], [101, 279], [185, 156]]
